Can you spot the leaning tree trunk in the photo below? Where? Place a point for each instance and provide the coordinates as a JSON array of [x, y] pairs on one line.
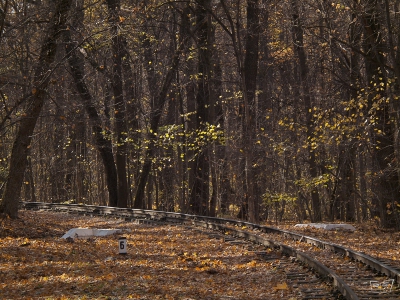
[[155, 115], [22, 143], [103, 144]]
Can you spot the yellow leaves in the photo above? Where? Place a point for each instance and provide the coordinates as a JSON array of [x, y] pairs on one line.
[[313, 145], [281, 53], [271, 197], [201, 268], [25, 243], [253, 263], [109, 276], [281, 286], [249, 265], [64, 277], [339, 6]]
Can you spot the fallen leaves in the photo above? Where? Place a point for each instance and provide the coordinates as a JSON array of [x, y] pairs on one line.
[[367, 239], [162, 262], [281, 286]]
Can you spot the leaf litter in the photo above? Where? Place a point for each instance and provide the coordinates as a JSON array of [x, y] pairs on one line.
[[368, 238], [162, 262]]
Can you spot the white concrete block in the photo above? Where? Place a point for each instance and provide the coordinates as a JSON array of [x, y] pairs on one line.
[[331, 226], [88, 232]]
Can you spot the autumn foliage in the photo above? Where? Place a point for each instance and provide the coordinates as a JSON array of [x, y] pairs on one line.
[[163, 262]]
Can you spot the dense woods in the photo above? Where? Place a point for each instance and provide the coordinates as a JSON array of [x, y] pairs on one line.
[[257, 109]]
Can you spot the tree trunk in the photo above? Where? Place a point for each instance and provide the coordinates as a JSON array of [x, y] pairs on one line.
[[387, 190], [250, 83], [188, 123], [103, 144], [132, 103], [304, 84], [30, 186], [22, 143], [119, 103], [200, 194], [346, 182], [155, 116]]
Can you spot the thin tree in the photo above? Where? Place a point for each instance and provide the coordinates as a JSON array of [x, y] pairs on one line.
[[250, 72], [103, 144], [199, 197], [35, 102], [157, 108], [118, 44], [298, 40]]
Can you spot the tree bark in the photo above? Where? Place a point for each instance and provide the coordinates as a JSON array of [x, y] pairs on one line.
[[250, 82], [387, 191], [132, 105], [103, 144], [200, 195], [119, 102], [155, 116], [298, 40], [343, 206], [22, 143]]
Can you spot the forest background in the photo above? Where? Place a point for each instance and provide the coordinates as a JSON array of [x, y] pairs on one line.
[[258, 109]]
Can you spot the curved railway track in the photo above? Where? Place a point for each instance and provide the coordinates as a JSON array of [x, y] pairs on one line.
[[353, 274]]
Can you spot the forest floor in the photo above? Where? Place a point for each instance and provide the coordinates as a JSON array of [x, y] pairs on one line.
[[162, 261], [368, 238]]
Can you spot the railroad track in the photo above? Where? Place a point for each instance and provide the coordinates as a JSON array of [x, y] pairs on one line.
[[307, 261]]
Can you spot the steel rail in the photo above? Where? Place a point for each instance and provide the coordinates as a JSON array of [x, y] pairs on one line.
[[228, 225], [321, 269]]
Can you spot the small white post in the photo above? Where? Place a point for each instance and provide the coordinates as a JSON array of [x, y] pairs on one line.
[[122, 245]]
